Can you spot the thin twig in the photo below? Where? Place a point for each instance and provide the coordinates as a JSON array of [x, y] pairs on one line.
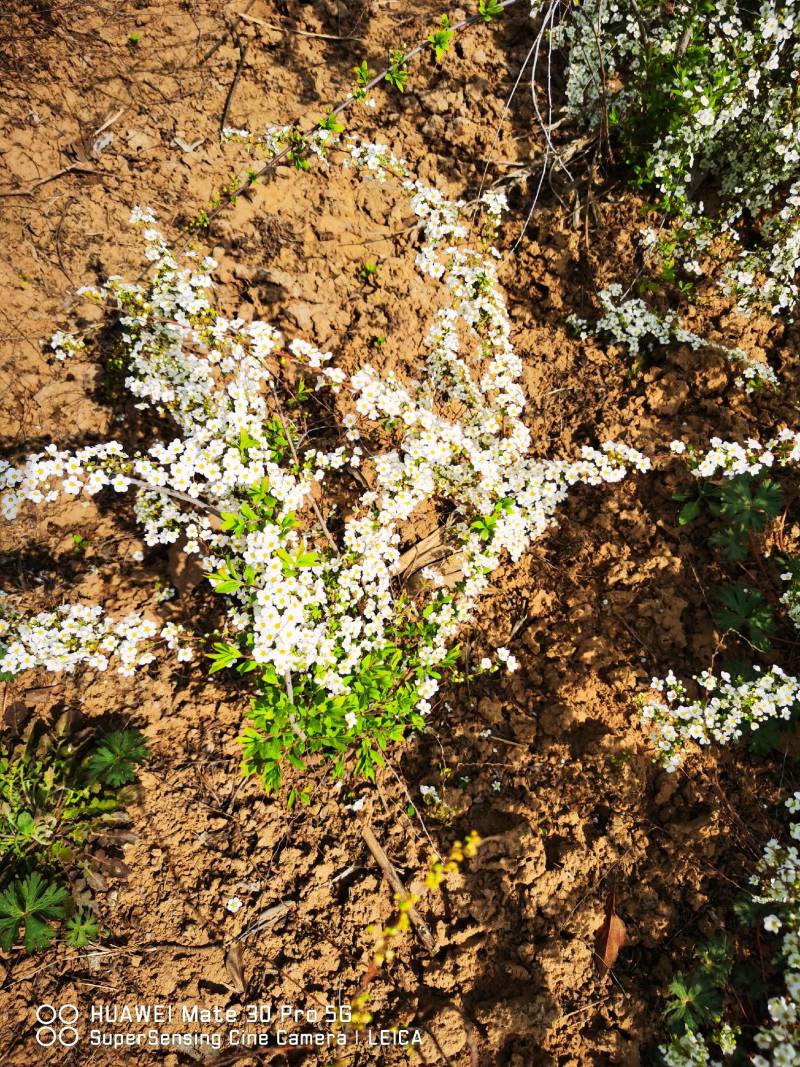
[[228, 30], [223, 122], [174, 493], [298, 729], [421, 928], [80, 167], [302, 33], [296, 459], [61, 263]]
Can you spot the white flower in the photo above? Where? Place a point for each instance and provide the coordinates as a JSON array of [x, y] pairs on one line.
[[234, 904]]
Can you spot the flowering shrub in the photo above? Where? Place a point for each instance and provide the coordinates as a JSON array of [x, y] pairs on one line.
[[341, 656], [641, 330], [777, 888], [791, 598], [701, 96], [727, 459], [732, 483]]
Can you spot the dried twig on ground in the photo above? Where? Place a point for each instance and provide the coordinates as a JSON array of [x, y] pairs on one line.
[[421, 928], [81, 167], [283, 28], [223, 122]]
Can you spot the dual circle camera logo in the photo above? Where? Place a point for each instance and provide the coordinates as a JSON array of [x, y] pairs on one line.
[[57, 1025]]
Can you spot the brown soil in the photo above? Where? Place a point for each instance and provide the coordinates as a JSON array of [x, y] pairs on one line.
[[563, 787]]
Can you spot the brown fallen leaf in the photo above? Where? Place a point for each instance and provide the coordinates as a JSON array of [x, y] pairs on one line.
[[611, 937], [235, 968]]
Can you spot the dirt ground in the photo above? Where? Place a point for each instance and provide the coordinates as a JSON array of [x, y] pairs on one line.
[[548, 764]]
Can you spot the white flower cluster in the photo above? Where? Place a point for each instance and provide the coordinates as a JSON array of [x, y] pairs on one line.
[[278, 138], [722, 714], [65, 345], [729, 115], [635, 325], [688, 1050], [791, 598], [727, 459], [778, 885], [74, 635]]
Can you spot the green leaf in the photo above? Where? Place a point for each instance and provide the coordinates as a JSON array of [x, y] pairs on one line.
[[441, 39], [746, 611], [689, 512], [331, 122], [30, 903], [489, 9], [307, 559], [397, 75], [81, 928], [223, 582], [114, 762], [26, 824], [223, 656]]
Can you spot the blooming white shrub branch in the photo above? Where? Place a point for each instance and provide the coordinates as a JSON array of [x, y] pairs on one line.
[[83, 635], [728, 706], [700, 92], [778, 885], [791, 598], [636, 326], [237, 490], [727, 459]]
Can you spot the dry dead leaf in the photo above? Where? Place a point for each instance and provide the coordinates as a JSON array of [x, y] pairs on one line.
[[235, 968], [611, 937], [185, 572]]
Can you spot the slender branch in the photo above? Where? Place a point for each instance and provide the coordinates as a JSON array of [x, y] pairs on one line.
[[253, 176], [298, 729], [174, 493], [223, 122], [81, 168], [283, 28], [393, 878]]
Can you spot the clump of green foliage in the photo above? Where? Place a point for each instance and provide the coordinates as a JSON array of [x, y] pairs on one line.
[[742, 509], [59, 793], [696, 999]]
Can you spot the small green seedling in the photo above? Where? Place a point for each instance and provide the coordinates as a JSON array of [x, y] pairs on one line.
[[368, 272], [28, 906], [397, 74], [489, 9], [79, 544], [441, 39]]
